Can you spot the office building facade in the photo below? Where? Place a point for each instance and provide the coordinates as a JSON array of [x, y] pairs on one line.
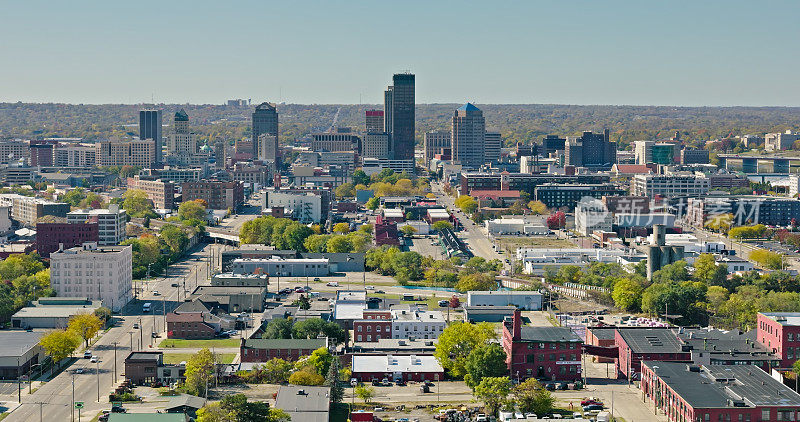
[[592, 150], [373, 121], [400, 115], [434, 142], [467, 135], [111, 222], [98, 273], [150, 128], [265, 120]]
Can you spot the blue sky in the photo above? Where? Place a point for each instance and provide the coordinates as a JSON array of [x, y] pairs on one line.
[[566, 52]]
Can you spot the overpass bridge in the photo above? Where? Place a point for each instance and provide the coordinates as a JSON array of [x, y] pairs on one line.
[[751, 164]]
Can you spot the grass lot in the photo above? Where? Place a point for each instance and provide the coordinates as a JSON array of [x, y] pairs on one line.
[[194, 344], [512, 243], [173, 358]]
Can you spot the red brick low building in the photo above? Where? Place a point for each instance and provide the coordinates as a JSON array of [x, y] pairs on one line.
[[545, 353], [188, 326], [368, 368], [375, 326], [50, 235], [262, 350], [779, 332], [639, 344], [602, 337], [713, 393]]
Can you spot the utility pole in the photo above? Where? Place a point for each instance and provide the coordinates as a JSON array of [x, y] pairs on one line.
[[115, 362], [97, 372]]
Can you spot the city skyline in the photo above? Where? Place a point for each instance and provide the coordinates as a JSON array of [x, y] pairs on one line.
[[614, 53]]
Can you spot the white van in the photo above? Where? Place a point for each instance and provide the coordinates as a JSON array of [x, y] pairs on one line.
[[146, 307]]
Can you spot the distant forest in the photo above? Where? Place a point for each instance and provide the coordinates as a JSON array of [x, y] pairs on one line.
[[517, 122]]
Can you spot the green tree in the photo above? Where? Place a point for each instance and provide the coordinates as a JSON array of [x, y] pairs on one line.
[[365, 392], [466, 203], [321, 359], [360, 177], [707, 271], [314, 327], [137, 205], [457, 341], [192, 210], [767, 259], [407, 266], [373, 203], [341, 228], [339, 243], [442, 225], [486, 360], [199, 372], [672, 273], [530, 396], [345, 190], [716, 296], [85, 325], [74, 197], [537, 207], [627, 294], [493, 391], [278, 328], [332, 380], [59, 344], [276, 371], [476, 281], [408, 230], [306, 377]]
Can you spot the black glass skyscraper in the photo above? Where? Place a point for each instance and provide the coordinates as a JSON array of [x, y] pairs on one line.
[[265, 120], [399, 116], [150, 128]]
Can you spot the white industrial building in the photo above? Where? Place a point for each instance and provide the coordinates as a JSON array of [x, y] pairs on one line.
[[97, 273], [527, 301], [504, 226], [283, 267], [537, 261], [415, 323], [111, 222], [592, 215], [305, 207]]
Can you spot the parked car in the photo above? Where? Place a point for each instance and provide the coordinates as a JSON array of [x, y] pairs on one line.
[[79, 371], [156, 293], [370, 287], [87, 354], [118, 409], [330, 283], [174, 285], [443, 303], [135, 325], [591, 407], [317, 279], [93, 359]]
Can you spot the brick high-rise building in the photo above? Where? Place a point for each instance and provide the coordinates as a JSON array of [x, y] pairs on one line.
[[265, 120], [467, 136], [150, 128], [51, 236], [219, 195], [374, 121], [162, 193], [41, 153], [434, 142]]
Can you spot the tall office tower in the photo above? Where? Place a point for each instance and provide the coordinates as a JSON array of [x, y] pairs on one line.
[[375, 145], [374, 121], [400, 116], [551, 144], [468, 134], [182, 142], [265, 120], [150, 128], [492, 145], [592, 150], [434, 142]]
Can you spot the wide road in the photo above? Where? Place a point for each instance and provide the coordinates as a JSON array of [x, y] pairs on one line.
[[472, 234], [57, 393]]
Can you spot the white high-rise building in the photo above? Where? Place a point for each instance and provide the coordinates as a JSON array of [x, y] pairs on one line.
[[97, 273], [111, 222]]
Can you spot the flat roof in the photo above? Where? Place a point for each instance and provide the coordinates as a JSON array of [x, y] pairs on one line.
[[784, 318], [651, 340], [712, 386], [17, 343], [55, 311], [285, 343], [297, 398], [549, 334], [349, 310], [396, 363]]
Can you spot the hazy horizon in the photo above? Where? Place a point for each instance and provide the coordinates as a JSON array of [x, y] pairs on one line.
[[712, 53]]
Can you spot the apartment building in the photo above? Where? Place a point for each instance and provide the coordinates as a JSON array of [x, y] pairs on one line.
[[74, 156], [160, 192], [52, 236], [780, 141], [111, 222], [140, 153], [415, 323], [94, 272], [375, 145], [675, 184], [14, 151], [218, 194], [305, 206], [26, 210]]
